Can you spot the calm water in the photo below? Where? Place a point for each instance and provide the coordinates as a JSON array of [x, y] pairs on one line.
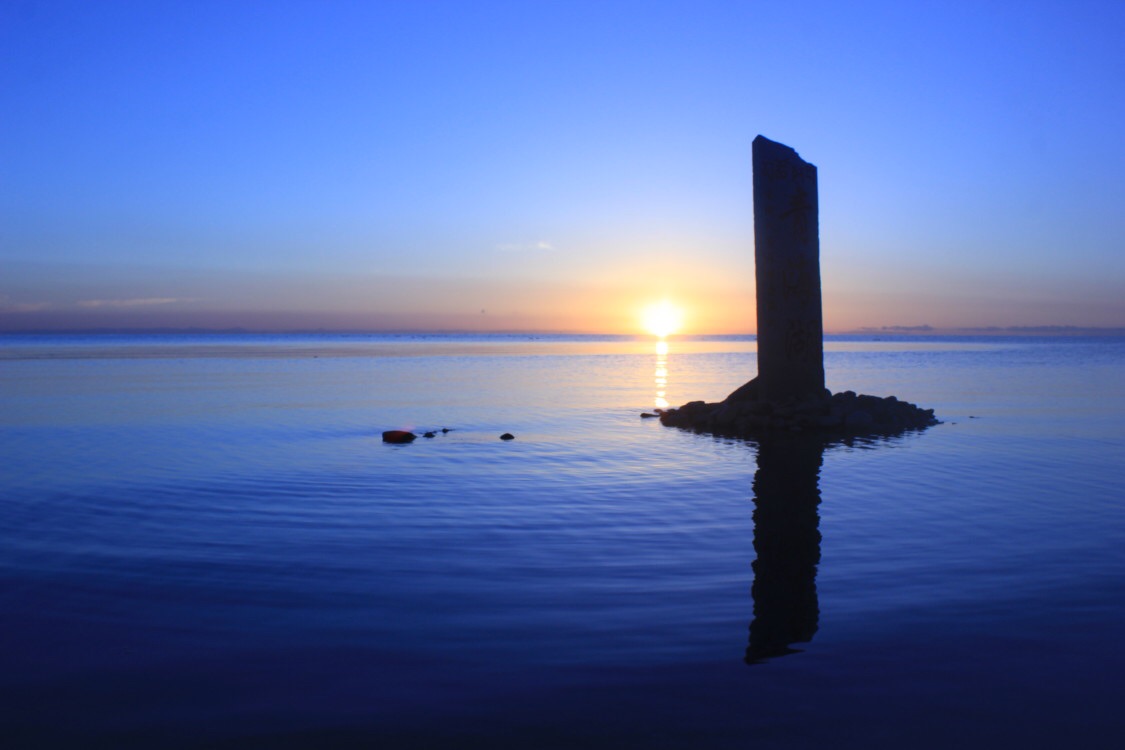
[[206, 543]]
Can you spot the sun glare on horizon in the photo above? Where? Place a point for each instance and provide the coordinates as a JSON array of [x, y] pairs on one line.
[[662, 319]]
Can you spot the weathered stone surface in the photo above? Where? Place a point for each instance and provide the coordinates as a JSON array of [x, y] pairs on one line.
[[398, 436], [787, 267]]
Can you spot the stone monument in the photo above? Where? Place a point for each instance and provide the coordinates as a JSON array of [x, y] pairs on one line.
[[787, 261], [789, 394]]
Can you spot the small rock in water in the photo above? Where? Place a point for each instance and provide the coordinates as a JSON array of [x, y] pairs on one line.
[[398, 436], [646, 415], [446, 429], [429, 434], [507, 436]]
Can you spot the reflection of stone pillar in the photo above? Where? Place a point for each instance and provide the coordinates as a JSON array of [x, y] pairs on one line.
[[787, 266], [787, 543]]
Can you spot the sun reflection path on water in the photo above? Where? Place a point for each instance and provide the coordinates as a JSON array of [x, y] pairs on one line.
[[661, 373]]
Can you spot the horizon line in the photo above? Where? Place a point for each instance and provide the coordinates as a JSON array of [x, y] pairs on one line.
[[897, 330]]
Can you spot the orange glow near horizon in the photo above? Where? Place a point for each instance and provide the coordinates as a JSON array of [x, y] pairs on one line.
[[662, 319]]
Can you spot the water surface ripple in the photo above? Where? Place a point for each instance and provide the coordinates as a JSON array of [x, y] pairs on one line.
[[206, 543]]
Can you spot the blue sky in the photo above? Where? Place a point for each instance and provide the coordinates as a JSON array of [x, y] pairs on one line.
[[554, 165]]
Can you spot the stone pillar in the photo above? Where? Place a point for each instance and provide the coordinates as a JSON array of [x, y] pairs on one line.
[[787, 266]]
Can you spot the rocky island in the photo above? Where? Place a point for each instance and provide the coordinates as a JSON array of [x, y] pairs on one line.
[[746, 414]]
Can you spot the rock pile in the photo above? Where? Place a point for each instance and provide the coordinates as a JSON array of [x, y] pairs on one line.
[[743, 414]]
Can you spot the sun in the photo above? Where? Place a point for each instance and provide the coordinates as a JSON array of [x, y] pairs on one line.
[[662, 318]]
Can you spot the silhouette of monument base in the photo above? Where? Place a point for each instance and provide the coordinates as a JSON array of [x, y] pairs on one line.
[[747, 415]]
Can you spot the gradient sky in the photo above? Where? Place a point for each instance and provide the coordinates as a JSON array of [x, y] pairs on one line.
[[553, 165]]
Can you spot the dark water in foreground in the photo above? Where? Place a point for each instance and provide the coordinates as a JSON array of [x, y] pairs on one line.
[[205, 543]]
